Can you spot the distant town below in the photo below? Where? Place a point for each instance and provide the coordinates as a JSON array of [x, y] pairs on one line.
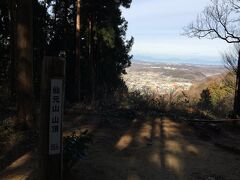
[[164, 78]]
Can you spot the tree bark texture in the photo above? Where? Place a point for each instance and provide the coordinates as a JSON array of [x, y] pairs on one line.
[[24, 62], [78, 55]]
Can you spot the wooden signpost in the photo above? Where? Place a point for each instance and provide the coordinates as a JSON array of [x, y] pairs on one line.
[[52, 103]]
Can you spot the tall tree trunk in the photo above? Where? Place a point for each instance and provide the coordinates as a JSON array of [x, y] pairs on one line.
[[66, 43], [24, 54], [12, 23], [237, 92], [97, 62], [91, 57], [78, 55]]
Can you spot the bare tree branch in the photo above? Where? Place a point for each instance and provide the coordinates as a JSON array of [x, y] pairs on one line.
[[219, 20], [230, 59]]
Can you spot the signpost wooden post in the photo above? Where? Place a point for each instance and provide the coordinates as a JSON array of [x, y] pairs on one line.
[[52, 104]]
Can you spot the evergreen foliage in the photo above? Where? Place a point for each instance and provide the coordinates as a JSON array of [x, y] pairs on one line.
[[205, 101], [104, 47], [4, 43]]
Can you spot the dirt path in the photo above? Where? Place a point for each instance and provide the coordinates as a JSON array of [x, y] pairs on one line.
[[142, 147], [154, 148], [19, 169]]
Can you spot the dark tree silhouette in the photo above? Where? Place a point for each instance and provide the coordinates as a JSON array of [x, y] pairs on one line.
[[205, 101], [57, 28], [78, 49], [12, 30]]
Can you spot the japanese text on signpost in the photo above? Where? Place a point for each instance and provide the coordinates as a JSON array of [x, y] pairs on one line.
[[55, 116]]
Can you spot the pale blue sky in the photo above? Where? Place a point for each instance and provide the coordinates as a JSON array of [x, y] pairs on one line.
[[157, 25]]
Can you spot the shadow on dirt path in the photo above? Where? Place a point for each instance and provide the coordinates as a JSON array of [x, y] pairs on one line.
[[153, 147], [141, 146]]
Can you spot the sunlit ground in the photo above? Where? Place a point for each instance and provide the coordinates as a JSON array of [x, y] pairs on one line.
[[147, 147], [155, 148]]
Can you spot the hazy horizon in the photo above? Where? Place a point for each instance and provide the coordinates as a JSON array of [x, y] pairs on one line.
[[157, 26], [179, 60]]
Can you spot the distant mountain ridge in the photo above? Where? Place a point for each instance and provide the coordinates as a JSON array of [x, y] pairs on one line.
[[176, 60]]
